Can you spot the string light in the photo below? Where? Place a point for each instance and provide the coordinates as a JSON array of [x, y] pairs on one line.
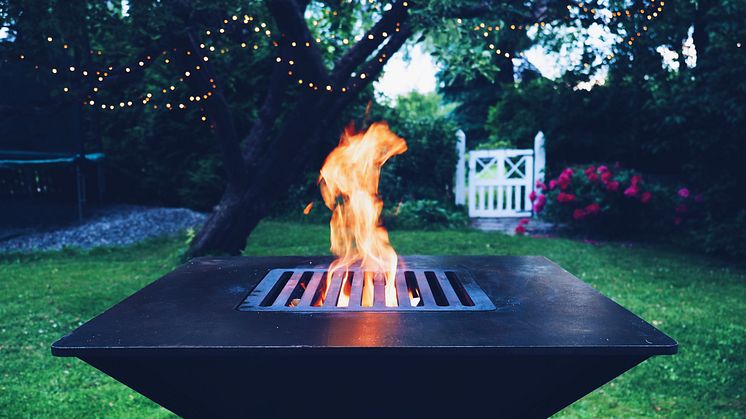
[[656, 7], [261, 27], [141, 64]]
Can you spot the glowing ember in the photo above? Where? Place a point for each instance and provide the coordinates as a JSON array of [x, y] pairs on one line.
[[307, 209], [349, 186]]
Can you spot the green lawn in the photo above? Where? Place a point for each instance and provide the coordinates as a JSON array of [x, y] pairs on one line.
[[699, 301]]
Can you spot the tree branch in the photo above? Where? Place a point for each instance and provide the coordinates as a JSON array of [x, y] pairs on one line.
[[539, 10], [359, 52], [268, 113], [215, 106], [289, 18], [373, 67]]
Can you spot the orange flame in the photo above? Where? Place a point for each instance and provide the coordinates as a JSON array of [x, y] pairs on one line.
[[349, 186]]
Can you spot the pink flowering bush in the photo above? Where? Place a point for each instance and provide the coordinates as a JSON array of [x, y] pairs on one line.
[[611, 200]]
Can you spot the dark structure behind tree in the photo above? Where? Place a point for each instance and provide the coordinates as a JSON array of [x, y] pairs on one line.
[[43, 161]]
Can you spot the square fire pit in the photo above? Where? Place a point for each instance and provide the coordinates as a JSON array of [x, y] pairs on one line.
[[466, 337]]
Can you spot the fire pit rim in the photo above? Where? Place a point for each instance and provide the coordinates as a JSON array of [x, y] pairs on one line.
[[91, 338]]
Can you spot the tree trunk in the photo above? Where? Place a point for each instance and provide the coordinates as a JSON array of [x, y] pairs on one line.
[[701, 35], [241, 208], [227, 228], [270, 162], [270, 175]]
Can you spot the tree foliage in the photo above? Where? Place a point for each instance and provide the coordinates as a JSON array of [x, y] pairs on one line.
[[683, 124]]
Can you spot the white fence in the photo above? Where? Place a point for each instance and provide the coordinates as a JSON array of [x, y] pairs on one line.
[[500, 181]]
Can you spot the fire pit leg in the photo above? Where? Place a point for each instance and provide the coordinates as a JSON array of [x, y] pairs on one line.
[[416, 386]]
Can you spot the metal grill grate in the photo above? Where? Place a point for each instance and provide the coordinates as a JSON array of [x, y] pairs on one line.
[[305, 290]]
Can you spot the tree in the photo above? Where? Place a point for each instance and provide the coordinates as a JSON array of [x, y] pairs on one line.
[[307, 88], [680, 124], [264, 164]]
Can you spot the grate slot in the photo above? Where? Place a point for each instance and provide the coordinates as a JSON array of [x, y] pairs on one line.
[[435, 288], [379, 291], [458, 287], [332, 295], [447, 288], [368, 292], [322, 289], [302, 290], [312, 290], [402, 292], [427, 295], [276, 288], [356, 290], [413, 290], [345, 290], [284, 296]]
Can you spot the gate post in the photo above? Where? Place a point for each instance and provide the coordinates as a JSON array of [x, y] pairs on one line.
[[460, 181], [540, 159], [472, 185]]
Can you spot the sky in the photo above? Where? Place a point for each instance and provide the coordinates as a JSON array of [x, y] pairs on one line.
[[414, 69], [402, 75]]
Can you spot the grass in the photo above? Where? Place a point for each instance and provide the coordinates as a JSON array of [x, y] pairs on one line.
[[699, 301]]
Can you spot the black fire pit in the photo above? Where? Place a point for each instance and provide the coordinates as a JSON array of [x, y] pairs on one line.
[[467, 337]]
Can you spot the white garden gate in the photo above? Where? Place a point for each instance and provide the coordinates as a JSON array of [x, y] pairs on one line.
[[500, 181]]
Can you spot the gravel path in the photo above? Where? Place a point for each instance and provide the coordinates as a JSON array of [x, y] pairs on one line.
[[112, 226]]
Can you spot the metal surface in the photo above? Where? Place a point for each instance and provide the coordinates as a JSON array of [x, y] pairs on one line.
[[550, 340], [305, 290]]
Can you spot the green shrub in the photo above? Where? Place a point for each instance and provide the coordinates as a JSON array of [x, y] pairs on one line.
[[724, 236], [424, 171], [424, 215]]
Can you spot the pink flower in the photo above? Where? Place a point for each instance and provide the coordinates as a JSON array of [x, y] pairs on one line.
[[592, 208], [552, 184], [541, 185], [632, 191], [590, 169], [578, 214], [677, 220], [646, 197], [613, 186], [564, 181], [568, 171], [602, 169], [635, 180], [520, 230], [684, 193], [681, 209], [532, 196], [565, 197], [592, 177], [539, 204], [606, 177], [523, 221]]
